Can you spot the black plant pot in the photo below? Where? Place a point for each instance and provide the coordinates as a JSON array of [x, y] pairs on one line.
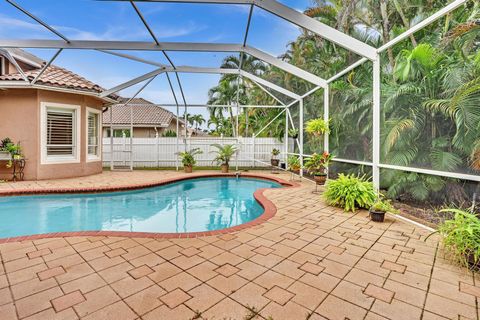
[[377, 216], [294, 137], [320, 179]]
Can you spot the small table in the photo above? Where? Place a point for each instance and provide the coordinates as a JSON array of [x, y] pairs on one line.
[[18, 166]]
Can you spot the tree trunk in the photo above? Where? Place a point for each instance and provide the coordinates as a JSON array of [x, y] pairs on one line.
[[406, 24], [386, 31]]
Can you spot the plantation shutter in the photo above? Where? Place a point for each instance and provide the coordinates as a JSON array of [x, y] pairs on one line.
[[60, 133]]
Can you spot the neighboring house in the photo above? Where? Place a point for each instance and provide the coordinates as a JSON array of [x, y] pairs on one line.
[[56, 118], [147, 118]]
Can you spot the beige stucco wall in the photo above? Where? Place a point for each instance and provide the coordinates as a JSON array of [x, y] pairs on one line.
[[20, 120], [148, 132]]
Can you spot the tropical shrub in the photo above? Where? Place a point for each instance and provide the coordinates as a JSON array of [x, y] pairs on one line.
[[350, 192], [317, 127], [169, 134], [318, 163], [293, 133], [224, 153], [461, 237], [275, 153], [188, 157], [294, 163]]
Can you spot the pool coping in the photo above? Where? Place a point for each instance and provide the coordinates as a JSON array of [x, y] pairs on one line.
[[269, 208]]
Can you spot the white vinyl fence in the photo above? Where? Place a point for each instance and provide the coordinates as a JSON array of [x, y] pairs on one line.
[[161, 152]]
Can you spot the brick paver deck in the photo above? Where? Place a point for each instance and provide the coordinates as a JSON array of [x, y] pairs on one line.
[[310, 261]]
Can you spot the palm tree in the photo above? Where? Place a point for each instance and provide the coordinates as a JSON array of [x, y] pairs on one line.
[[197, 120]]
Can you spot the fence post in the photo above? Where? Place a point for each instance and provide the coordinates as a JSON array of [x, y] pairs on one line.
[[253, 151], [157, 140]]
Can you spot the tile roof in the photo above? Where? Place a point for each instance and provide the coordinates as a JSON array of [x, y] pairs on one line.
[[145, 113], [56, 77]]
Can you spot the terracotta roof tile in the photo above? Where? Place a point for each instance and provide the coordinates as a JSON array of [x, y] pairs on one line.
[[144, 113], [57, 77]]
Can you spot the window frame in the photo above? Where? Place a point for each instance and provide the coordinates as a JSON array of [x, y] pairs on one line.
[[3, 66], [44, 157], [98, 156]]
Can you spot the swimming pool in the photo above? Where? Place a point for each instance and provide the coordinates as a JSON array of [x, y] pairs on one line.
[[194, 205]]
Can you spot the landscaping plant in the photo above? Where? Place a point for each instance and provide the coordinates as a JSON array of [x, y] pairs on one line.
[[350, 192], [380, 208], [294, 163], [317, 127], [317, 165], [461, 237], [274, 161], [188, 159], [293, 133], [224, 155]]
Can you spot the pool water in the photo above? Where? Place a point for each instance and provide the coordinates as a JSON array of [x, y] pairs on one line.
[[194, 205]]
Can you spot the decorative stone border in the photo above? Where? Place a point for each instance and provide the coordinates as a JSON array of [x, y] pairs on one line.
[[269, 209]]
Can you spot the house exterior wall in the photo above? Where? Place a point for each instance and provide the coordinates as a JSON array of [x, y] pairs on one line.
[[20, 120]]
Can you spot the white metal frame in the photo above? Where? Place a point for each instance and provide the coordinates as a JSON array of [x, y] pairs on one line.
[[367, 52]]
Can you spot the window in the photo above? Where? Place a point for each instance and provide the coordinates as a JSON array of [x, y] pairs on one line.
[[93, 134], [119, 133], [2, 66], [60, 133]]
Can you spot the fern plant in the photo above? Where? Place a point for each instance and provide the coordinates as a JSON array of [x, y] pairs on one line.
[[461, 237], [350, 192]]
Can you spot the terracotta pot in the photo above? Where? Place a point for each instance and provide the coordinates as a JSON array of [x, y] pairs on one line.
[[188, 169], [377, 216], [275, 162], [297, 171], [224, 168], [320, 179]]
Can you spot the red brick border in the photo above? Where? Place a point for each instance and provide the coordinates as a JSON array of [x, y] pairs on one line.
[[269, 209]]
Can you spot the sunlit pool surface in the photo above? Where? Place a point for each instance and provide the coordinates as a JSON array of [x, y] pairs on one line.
[[195, 205]]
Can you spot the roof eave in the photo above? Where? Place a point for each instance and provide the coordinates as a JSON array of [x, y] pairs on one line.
[[23, 85]]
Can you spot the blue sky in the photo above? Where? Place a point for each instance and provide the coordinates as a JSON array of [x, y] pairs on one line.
[[171, 22]]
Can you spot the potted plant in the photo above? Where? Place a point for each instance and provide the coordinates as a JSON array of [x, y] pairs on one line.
[[293, 133], [4, 153], [274, 161], [224, 155], [317, 165], [379, 208], [461, 237], [188, 159], [317, 127], [294, 164]]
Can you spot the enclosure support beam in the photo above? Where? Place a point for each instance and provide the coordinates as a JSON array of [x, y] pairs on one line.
[[176, 117], [268, 124], [132, 82], [46, 66], [376, 123], [269, 93], [326, 116], [419, 26], [301, 135], [286, 137], [38, 20], [347, 70]]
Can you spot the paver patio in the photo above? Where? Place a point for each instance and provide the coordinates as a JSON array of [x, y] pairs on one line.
[[310, 261]]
